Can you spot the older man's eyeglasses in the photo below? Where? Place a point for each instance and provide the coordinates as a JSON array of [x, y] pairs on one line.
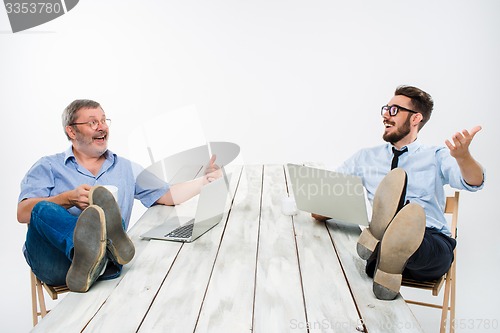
[[394, 109], [94, 124]]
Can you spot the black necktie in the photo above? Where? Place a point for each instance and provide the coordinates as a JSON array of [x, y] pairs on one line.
[[395, 158]]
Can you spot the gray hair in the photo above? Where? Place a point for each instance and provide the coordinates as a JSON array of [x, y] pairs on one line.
[[70, 112]]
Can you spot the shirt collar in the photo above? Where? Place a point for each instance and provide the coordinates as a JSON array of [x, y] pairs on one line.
[[412, 147], [69, 155]]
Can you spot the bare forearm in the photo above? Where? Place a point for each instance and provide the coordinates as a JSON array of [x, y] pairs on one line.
[[25, 207], [182, 192], [471, 170], [78, 197]]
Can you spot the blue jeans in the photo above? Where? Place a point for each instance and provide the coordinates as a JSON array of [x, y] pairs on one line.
[[49, 244]]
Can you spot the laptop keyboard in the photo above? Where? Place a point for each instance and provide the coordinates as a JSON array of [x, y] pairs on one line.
[[184, 231]]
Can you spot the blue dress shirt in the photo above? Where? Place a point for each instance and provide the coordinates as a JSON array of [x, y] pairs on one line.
[[52, 175], [428, 170]]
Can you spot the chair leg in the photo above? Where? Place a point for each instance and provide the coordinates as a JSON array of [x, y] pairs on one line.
[[37, 299], [446, 303], [41, 298], [452, 300], [34, 299]]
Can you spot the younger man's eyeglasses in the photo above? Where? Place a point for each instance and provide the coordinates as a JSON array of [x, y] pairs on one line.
[[394, 109]]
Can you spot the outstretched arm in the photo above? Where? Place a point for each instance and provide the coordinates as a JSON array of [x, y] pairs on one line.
[[471, 170], [182, 192]]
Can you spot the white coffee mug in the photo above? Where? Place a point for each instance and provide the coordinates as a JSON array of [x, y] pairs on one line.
[[288, 206], [113, 189]]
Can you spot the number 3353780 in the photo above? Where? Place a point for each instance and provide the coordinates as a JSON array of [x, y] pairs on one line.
[[33, 8]]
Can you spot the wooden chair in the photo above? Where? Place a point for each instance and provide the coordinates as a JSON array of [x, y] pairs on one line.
[[449, 279], [38, 306]]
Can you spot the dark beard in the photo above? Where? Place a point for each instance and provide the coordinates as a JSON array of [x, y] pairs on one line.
[[401, 132]]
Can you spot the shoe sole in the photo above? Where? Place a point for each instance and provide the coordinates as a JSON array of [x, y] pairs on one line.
[[89, 240], [388, 200], [401, 239], [119, 245]]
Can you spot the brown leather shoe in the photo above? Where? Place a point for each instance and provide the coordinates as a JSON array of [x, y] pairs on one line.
[[89, 257], [388, 200], [401, 239], [120, 247]]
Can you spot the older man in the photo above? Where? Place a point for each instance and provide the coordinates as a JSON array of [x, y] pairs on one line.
[[76, 229]]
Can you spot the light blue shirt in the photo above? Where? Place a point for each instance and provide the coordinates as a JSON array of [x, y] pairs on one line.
[[428, 170], [55, 174]]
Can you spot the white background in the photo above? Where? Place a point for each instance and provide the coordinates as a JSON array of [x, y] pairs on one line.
[[289, 81]]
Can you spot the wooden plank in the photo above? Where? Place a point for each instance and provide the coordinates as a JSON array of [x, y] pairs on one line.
[[278, 296], [178, 302], [377, 315], [228, 303], [329, 303], [126, 307]]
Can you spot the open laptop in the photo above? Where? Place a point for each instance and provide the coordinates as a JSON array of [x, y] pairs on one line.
[[338, 196], [210, 209]]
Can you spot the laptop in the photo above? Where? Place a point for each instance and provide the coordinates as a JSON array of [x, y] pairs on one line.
[[339, 196], [209, 211]]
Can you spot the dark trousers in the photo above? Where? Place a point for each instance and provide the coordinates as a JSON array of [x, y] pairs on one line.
[[431, 260]]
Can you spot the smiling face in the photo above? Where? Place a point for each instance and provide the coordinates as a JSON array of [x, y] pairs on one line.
[[402, 128], [87, 141]]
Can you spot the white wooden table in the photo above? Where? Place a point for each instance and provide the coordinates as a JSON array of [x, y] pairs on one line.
[[258, 270]]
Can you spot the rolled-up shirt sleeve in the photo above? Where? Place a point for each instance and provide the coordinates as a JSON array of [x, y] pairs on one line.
[[148, 187], [451, 173]]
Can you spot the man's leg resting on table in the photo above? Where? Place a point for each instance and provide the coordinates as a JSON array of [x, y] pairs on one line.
[[50, 247], [387, 202], [401, 240], [433, 258], [62, 248], [120, 248], [430, 261], [89, 259]]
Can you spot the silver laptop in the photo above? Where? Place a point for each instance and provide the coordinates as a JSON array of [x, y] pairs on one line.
[[209, 212], [339, 196]]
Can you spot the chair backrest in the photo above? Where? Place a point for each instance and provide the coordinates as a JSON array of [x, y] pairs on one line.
[[451, 207]]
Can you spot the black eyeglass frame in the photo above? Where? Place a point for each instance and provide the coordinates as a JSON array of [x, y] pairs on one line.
[[396, 108], [106, 121]]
